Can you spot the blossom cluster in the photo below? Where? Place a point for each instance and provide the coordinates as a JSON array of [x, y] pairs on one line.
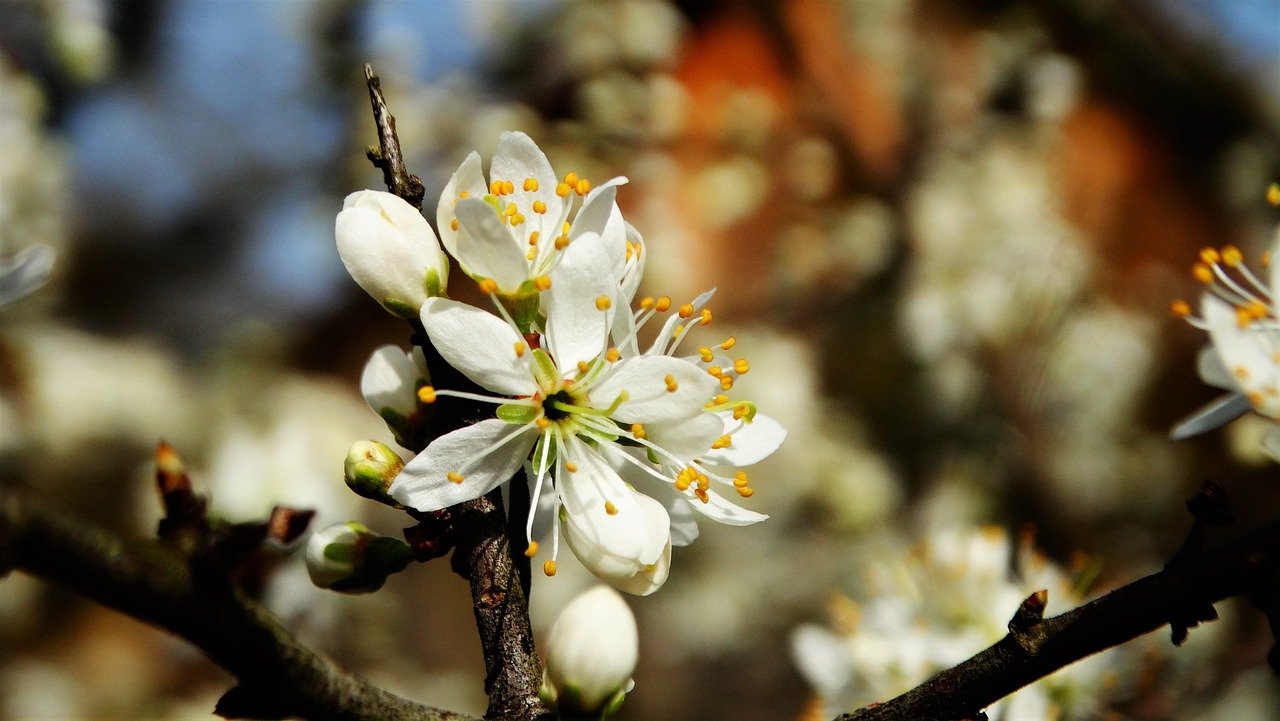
[[623, 436]]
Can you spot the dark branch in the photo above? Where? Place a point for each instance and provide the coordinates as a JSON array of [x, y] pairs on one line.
[[1036, 648], [388, 155], [154, 583]]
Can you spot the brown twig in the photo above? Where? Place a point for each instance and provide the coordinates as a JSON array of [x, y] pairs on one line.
[[155, 582], [388, 155]]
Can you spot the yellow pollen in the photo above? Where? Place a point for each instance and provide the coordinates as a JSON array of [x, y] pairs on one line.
[[453, 225], [629, 250], [454, 477], [508, 187], [603, 303], [1180, 308], [637, 430], [542, 423], [715, 371], [549, 568], [678, 330], [1258, 310], [703, 482], [726, 382], [701, 493], [463, 194], [571, 466], [517, 219], [741, 366], [706, 354], [686, 310], [562, 190], [662, 304], [530, 184], [746, 492], [583, 186], [562, 242], [721, 442], [582, 367], [1242, 373], [610, 509], [533, 253], [740, 479], [1209, 256], [612, 355], [1243, 317], [564, 228], [488, 285], [646, 302], [705, 316], [1232, 256], [495, 187], [427, 394], [519, 349], [533, 237], [510, 210], [532, 550], [1202, 273], [739, 411], [728, 343], [670, 380], [682, 483], [542, 282], [1256, 398], [1273, 194], [571, 178], [721, 399], [539, 207]]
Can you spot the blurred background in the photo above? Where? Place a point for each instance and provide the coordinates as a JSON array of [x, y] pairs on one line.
[[946, 233]]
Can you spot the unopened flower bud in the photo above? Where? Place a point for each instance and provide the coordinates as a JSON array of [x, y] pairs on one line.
[[591, 654], [349, 558], [390, 250], [370, 468], [390, 381]]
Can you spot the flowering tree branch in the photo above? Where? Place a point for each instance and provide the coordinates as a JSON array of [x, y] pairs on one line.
[[188, 593], [1181, 596]]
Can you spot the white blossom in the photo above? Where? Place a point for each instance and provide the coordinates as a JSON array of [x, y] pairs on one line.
[[390, 250], [592, 650]]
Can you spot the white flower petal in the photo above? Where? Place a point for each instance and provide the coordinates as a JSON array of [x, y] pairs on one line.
[[517, 158], [634, 270], [687, 439], [576, 328], [609, 544], [648, 400], [488, 249], [750, 444], [823, 659], [600, 215], [1245, 354], [478, 344], [722, 511], [1209, 367], [388, 380], [424, 483], [388, 248], [467, 178]]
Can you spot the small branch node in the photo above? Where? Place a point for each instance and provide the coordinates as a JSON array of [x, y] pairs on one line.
[[1025, 624]]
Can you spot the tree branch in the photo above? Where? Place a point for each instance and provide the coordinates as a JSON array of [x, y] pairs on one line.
[[154, 583], [1036, 647], [388, 155]]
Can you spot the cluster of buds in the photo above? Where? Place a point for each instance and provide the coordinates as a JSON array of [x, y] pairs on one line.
[[349, 558]]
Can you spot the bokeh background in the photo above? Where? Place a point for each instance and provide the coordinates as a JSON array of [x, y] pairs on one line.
[[946, 233]]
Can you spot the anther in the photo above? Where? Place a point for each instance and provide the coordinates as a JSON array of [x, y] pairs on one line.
[[726, 382], [746, 492], [715, 371], [582, 367], [686, 310], [542, 423], [453, 224], [1202, 273], [539, 207], [612, 355], [508, 187], [571, 467], [533, 253], [454, 477], [542, 282], [533, 237], [495, 188], [741, 366], [705, 317], [549, 568], [670, 380], [603, 303], [646, 302], [571, 179], [1180, 308], [706, 355], [728, 343], [1273, 194], [721, 399], [1209, 256], [463, 194], [610, 509], [583, 186], [510, 210], [740, 480], [662, 304], [530, 184], [562, 242], [532, 550], [427, 394], [637, 430], [1232, 256], [488, 285], [517, 219], [562, 190], [702, 495], [739, 411], [520, 347]]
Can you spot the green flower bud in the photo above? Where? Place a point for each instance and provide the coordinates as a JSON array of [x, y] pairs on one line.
[[349, 558], [370, 468]]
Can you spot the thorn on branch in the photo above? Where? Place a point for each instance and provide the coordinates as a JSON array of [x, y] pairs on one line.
[[387, 156], [185, 513]]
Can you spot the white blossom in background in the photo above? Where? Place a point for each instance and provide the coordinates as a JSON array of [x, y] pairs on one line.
[[592, 649], [932, 608], [390, 251], [24, 273]]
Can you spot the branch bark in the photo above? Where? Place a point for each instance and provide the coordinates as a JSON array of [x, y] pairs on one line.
[[154, 583], [1036, 648]]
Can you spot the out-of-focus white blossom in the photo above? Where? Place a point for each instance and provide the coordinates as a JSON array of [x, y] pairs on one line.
[[24, 273], [592, 650]]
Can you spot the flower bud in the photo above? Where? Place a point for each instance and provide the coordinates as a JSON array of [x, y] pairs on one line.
[[370, 468], [390, 381], [591, 654], [349, 558], [391, 251], [640, 570]]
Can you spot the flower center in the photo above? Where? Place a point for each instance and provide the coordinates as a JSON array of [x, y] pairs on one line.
[[553, 405]]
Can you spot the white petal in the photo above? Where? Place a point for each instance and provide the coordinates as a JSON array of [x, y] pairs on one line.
[[478, 344], [751, 443], [722, 511], [467, 178], [389, 379], [609, 544], [1244, 353], [634, 270], [823, 659], [688, 439], [576, 328], [644, 380], [1210, 369], [517, 158], [684, 526], [390, 262], [424, 482], [488, 249], [639, 576], [600, 215]]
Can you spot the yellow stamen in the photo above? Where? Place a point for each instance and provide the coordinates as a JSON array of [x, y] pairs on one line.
[[705, 317], [612, 355], [562, 242], [549, 568], [582, 187], [542, 282], [1273, 194], [508, 187], [542, 423], [646, 302], [488, 285], [533, 253], [562, 190], [454, 477], [530, 185], [532, 550], [706, 355], [1180, 308], [571, 467], [539, 207], [746, 492], [519, 349], [571, 178], [1209, 256], [495, 187], [427, 394], [686, 310], [739, 411], [637, 430], [453, 224], [463, 194], [1232, 256], [610, 509], [715, 371], [728, 343], [726, 382], [517, 219], [533, 238], [721, 399], [701, 493], [1202, 273], [662, 304], [670, 380], [510, 210], [741, 366], [740, 480], [582, 367], [603, 303]]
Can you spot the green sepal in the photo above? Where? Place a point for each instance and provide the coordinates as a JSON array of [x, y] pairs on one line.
[[524, 307], [544, 370], [400, 310], [340, 552], [433, 284], [539, 450], [517, 413]]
